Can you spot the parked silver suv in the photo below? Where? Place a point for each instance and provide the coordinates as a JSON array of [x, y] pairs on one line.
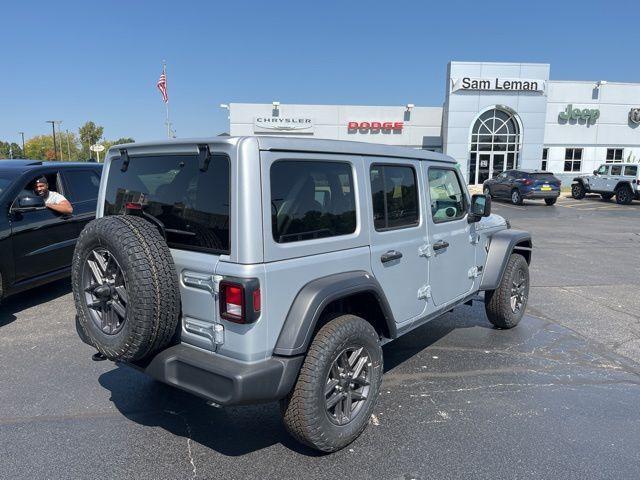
[[619, 179], [256, 269]]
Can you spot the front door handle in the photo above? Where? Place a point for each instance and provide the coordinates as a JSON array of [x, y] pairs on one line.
[[390, 255], [440, 245]]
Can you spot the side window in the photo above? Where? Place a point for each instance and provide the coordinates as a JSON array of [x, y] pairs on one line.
[[448, 201], [311, 199], [394, 196], [631, 170], [603, 170], [616, 169], [53, 179], [83, 185]]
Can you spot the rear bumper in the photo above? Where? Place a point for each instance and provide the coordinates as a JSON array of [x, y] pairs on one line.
[[537, 194], [224, 380]]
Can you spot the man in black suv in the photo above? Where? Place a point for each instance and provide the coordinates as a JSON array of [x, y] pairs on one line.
[[45, 206], [53, 200]]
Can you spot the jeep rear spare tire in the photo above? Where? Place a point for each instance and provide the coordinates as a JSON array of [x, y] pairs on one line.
[[125, 287]]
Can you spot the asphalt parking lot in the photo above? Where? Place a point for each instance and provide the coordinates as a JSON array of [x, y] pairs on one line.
[[555, 397]]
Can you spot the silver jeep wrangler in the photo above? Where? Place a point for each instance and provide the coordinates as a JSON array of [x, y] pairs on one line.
[[256, 269]]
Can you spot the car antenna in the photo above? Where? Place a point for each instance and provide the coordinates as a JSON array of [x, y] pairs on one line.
[[125, 160], [204, 157]]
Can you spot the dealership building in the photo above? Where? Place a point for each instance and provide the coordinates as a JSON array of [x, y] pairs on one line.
[[495, 116]]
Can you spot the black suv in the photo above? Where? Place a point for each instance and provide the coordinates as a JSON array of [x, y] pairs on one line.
[[519, 185], [36, 243]]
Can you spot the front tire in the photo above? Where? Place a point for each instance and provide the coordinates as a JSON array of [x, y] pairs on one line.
[[578, 191], [337, 387], [516, 197], [506, 304], [550, 201], [624, 195]]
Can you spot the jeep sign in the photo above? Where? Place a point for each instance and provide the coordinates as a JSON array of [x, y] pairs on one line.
[[590, 115], [634, 115], [283, 124]]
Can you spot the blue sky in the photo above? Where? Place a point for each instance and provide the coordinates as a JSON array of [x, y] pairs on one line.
[[100, 60]]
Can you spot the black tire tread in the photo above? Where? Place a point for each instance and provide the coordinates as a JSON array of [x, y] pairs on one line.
[[497, 302], [300, 412]]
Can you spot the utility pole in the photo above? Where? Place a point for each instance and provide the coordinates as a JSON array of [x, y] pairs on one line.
[[58, 123], [24, 155], [68, 148], [55, 145]]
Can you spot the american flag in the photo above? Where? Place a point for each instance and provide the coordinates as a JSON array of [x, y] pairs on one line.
[[162, 85]]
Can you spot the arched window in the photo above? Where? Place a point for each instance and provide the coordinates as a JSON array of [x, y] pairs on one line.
[[495, 144]]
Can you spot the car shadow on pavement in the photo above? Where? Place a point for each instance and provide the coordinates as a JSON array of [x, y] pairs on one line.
[[226, 430], [14, 304]]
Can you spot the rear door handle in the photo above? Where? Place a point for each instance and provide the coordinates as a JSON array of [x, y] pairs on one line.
[[390, 255], [440, 245]]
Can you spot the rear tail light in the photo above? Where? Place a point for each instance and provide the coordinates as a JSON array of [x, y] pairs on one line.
[[240, 302], [527, 181]]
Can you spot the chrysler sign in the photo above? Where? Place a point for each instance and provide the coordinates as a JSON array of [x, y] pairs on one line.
[[283, 124], [498, 84]]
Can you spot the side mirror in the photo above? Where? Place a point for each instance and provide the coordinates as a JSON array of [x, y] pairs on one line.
[[29, 202], [595, 172], [480, 207]]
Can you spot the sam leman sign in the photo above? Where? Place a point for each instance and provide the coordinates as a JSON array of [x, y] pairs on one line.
[[283, 124], [506, 84]]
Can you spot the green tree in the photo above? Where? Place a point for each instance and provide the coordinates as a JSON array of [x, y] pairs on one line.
[[90, 134], [40, 147], [7, 150]]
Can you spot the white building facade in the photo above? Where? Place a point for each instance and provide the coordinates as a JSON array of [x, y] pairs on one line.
[[495, 116]]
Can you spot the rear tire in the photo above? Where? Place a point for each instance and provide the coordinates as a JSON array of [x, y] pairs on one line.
[[306, 412], [606, 196], [550, 201], [125, 288], [506, 304], [578, 191], [624, 195], [516, 197]]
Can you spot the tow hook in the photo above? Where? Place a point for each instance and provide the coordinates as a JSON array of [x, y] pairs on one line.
[[98, 357]]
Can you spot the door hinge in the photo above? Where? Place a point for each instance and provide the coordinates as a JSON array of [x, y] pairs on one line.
[[210, 283], [475, 272], [424, 292], [426, 250]]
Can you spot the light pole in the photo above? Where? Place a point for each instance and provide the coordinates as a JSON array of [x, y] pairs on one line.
[[55, 145], [24, 155]]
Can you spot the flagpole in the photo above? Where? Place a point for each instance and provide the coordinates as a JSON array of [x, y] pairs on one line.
[[166, 104]]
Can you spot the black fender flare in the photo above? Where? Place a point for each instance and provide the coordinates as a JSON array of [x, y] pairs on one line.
[[502, 245], [311, 300]]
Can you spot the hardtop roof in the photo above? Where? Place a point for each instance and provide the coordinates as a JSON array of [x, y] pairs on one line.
[[296, 144]]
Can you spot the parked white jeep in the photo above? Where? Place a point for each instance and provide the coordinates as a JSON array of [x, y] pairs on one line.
[[619, 179], [256, 269]]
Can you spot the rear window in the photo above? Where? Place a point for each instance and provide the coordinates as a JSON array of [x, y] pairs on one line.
[[631, 170], [192, 205], [544, 176], [83, 185], [5, 182], [311, 199]]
